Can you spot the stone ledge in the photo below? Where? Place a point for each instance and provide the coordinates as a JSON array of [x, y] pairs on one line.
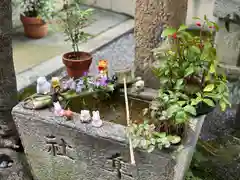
[[147, 94], [232, 72], [54, 66], [121, 6]]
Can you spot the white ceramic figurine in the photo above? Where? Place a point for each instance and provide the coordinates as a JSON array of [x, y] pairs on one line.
[[138, 85], [96, 120], [43, 86], [85, 116]]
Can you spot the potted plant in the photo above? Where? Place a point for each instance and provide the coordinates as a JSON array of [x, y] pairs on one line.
[[34, 15], [191, 86], [73, 20]]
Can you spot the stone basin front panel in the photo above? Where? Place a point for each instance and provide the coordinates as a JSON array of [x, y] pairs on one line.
[[57, 149]]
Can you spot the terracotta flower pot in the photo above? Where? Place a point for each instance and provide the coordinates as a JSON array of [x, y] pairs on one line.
[[34, 27], [77, 63]]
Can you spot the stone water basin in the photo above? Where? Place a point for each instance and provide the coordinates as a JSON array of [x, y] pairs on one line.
[[57, 149], [111, 106]]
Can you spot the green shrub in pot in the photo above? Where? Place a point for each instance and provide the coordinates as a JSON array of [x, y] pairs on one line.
[[190, 86], [34, 15]]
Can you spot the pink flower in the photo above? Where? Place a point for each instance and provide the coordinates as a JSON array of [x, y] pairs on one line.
[[198, 24], [174, 35]]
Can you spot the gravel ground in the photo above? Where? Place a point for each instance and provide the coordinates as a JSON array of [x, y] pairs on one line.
[[120, 54]]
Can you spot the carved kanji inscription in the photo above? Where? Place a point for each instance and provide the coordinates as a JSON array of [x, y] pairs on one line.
[[58, 147]]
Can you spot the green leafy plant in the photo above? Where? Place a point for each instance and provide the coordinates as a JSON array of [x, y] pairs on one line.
[[190, 66], [146, 137], [73, 20], [43, 9], [189, 81]]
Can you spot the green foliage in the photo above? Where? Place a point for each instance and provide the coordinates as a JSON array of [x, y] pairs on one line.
[[43, 9], [190, 69], [188, 79], [190, 176], [73, 20], [145, 137]]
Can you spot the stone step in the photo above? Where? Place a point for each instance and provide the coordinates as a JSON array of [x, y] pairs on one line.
[[30, 52], [55, 65]]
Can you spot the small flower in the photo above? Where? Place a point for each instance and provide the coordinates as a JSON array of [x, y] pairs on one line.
[[79, 88], [65, 85], [103, 81], [211, 27], [201, 46], [73, 85], [97, 83], [90, 81], [100, 68], [85, 73], [198, 24], [174, 35]]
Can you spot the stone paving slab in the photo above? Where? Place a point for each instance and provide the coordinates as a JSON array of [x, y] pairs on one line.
[[29, 52], [102, 47]]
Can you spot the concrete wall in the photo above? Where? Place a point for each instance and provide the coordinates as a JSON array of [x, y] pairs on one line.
[[195, 7], [120, 6]]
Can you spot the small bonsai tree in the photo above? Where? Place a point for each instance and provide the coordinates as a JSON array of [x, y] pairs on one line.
[[73, 20], [190, 83]]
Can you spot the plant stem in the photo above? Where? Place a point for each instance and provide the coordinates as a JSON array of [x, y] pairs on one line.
[[201, 49], [203, 79]]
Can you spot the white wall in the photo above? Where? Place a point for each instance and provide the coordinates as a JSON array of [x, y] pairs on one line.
[[195, 7], [121, 6]]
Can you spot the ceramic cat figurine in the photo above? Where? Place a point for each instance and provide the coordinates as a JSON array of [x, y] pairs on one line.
[[138, 86], [43, 86], [85, 116], [96, 120]]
